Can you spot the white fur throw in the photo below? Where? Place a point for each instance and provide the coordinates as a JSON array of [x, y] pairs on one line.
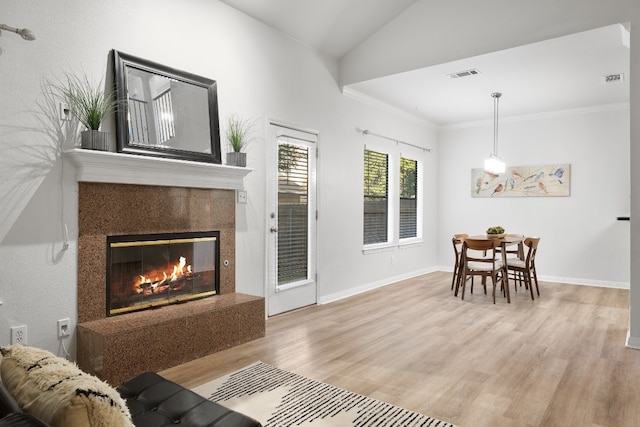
[[58, 392]]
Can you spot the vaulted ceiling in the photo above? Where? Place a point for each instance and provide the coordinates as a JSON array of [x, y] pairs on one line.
[[333, 27], [562, 73]]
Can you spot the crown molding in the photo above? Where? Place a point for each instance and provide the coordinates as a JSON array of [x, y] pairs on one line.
[[537, 116], [359, 96]]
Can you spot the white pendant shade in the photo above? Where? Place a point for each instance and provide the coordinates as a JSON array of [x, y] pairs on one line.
[[494, 165]]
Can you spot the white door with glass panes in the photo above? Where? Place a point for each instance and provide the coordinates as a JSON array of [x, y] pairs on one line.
[[291, 222]]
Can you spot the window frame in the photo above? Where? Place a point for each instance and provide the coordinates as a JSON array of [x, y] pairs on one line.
[[409, 154], [391, 194], [395, 152]]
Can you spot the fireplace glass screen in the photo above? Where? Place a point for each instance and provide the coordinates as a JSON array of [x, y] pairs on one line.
[[152, 270]]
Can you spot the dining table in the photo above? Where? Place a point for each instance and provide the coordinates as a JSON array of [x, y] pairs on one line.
[[506, 240]]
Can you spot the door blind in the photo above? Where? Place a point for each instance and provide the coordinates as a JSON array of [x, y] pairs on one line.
[[293, 212]]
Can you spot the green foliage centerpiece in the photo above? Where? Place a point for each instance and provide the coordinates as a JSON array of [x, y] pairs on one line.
[[496, 232]]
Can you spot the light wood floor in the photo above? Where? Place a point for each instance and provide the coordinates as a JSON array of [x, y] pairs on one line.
[[557, 361]]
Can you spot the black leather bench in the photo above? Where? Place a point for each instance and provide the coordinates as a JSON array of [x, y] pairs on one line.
[[20, 419], [155, 401]]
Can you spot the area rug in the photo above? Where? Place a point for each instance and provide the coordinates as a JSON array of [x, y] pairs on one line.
[[280, 398]]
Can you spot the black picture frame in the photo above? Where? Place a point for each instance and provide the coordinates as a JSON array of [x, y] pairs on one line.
[[191, 139]]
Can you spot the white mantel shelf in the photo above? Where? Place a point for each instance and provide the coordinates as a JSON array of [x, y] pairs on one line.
[[119, 168]]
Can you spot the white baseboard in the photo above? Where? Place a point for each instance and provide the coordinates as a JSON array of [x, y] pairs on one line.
[[370, 286], [632, 342], [388, 281], [569, 280], [585, 282]]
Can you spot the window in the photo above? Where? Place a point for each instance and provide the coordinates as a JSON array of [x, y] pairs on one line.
[[376, 197], [393, 203], [408, 198]]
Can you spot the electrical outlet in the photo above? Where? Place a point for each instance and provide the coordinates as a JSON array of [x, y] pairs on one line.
[[63, 328], [19, 335], [64, 112]]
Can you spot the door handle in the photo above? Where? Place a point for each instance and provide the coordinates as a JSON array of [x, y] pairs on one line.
[[274, 230]]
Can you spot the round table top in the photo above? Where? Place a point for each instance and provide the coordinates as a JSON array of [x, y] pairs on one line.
[[508, 238]]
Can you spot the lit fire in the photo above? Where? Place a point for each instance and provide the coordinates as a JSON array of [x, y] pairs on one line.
[[148, 285]]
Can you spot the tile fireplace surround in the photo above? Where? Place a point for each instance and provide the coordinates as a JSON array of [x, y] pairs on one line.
[[119, 347]]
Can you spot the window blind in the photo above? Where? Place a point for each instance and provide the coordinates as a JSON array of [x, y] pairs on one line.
[[376, 193], [408, 198]]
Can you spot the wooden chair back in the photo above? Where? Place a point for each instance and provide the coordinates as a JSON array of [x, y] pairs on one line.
[[456, 240], [457, 244], [477, 250], [532, 244], [479, 259], [516, 250]]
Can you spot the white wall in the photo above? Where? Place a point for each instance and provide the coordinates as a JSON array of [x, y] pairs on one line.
[[260, 74], [581, 240], [344, 269]]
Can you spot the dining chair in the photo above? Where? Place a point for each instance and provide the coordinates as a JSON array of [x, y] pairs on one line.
[[457, 250], [514, 251], [479, 259], [527, 266]]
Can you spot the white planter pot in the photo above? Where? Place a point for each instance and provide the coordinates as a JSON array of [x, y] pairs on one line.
[[95, 140]]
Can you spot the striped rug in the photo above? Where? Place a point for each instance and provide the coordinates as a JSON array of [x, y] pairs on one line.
[[279, 398]]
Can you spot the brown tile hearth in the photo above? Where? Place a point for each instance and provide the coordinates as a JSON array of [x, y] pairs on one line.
[[117, 348]]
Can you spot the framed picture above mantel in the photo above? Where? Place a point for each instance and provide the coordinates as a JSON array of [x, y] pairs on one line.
[[553, 180]]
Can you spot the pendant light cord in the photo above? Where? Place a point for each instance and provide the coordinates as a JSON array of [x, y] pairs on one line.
[[496, 100]]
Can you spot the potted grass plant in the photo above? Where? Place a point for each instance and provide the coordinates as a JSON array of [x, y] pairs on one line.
[[90, 105], [238, 134]]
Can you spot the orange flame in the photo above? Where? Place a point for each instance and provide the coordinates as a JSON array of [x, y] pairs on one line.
[[149, 284]]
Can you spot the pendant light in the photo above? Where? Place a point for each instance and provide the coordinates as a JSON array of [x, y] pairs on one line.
[[494, 163]]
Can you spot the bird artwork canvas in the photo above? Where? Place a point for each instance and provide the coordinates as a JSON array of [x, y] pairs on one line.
[[523, 181]]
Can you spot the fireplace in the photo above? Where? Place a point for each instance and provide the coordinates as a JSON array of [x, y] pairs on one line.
[[146, 271], [117, 347]]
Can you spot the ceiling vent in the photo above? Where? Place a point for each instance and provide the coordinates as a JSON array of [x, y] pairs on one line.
[[613, 78], [465, 73]]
